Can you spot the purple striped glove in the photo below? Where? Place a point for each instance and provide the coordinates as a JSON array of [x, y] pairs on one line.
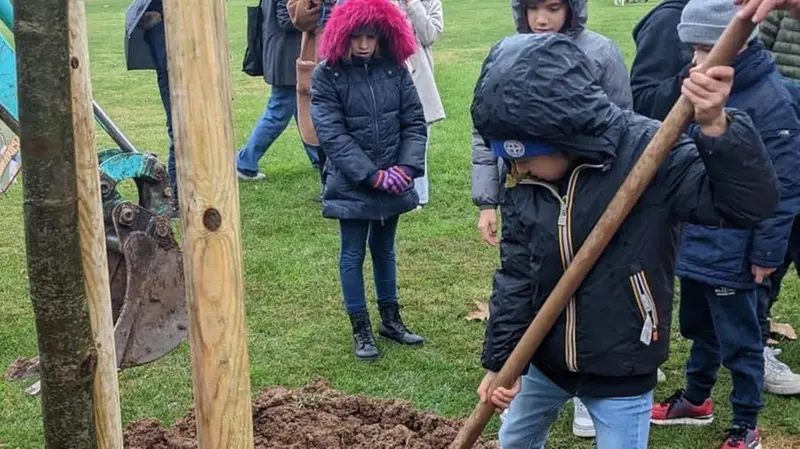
[[397, 180]]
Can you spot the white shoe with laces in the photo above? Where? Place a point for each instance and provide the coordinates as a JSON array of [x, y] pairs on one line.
[[778, 377], [582, 425]]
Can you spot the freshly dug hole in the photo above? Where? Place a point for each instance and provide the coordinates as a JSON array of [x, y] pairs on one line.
[[318, 417]]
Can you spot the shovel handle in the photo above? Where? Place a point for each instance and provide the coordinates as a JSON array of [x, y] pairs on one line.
[[728, 46]]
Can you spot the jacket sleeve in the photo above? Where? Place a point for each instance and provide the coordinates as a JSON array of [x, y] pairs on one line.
[[725, 181], [428, 22], [485, 174], [615, 80], [511, 305], [413, 129], [771, 236], [304, 14], [327, 114], [657, 71], [284, 22], [769, 27]]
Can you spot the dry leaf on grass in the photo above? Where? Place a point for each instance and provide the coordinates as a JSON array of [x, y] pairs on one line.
[[772, 342], [480, 311], [783, 329], [22, 368]]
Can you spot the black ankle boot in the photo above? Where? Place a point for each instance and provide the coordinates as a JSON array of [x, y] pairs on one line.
[[392, 326], [363, 340]]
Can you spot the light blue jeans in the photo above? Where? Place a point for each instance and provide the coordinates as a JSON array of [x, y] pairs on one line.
[[619, 422]]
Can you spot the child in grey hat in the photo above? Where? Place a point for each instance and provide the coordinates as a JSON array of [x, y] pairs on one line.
[[724, 272]]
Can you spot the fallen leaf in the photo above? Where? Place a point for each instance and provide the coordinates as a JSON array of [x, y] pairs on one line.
[[480, 311], [782, 329], [22, 368], [772, 342]]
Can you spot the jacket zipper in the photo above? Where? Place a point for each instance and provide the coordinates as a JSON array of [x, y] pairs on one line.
[[376, 131], [647, 307], [565, 246]]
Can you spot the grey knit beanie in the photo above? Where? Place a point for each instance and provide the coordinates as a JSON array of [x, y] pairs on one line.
[[703, 21]]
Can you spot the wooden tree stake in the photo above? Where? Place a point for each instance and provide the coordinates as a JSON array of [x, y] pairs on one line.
[[107, 415], [200, 86]]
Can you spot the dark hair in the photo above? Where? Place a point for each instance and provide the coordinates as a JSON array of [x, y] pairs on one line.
[[531, 4]]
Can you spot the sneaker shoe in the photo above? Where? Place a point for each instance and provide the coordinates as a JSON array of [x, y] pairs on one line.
[[661, 376], [778, 377], [250, 176], [676, 410], [742, 438], [582, 425]]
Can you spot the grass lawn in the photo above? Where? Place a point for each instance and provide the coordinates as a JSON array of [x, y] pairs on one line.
[[297, 327]]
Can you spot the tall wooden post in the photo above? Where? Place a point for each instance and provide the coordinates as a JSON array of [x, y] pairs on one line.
[[55, 271], [199, 75], [107, 414]]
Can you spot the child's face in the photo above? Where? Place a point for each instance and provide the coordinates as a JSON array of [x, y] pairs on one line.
[[548, 168], [363, 46], [547, 16]]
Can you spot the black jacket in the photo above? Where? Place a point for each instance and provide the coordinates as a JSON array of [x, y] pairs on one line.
[[661, 62], [540, 87], [281, 44]]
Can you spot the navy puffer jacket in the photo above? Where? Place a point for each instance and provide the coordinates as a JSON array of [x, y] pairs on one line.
[[367, 114], [615, 331]]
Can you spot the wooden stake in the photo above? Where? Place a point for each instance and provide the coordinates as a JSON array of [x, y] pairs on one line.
[[66, 347], [732, 40], [199, 75], [107, 415]]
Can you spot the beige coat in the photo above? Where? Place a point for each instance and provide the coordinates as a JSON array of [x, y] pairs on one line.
[[427, 19], [304, 14]]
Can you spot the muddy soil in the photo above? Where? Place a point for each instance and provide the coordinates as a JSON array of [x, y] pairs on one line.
[[317, 417]]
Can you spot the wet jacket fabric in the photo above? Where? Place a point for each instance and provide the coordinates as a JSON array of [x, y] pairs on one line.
[[608, 66], [615, 331], [367, 114], [723, 257], [661, 62], [781, 34]]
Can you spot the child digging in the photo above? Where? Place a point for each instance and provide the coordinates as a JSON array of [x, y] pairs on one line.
[[723, 271], [539, 103], [370, 123]]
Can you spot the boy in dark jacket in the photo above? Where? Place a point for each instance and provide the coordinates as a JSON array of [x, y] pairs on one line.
[[722, 269], [538, 102]]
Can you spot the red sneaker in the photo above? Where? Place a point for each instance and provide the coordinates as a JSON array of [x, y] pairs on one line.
[[742, 438], [676, 410]]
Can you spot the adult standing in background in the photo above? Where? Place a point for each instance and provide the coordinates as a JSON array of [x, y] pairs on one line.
[[281, 41], [427, 20]]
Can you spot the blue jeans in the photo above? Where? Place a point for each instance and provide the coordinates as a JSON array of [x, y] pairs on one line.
[[354, 236], [723, 326], [282, 105], [619, 422], [156, 40]]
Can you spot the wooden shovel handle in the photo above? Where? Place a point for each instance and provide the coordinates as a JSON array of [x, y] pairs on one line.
[[733, 39]]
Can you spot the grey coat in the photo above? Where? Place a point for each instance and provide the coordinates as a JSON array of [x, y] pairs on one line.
[[609, 70], [281, 44]]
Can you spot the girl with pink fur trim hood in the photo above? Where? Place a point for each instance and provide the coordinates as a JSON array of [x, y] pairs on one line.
[[371, 126]]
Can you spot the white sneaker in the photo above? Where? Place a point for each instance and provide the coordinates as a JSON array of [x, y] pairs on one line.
[[258, 177], [661, 376], [582, 425], [778, 377]]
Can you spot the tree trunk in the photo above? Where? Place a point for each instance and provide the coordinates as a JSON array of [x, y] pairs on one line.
[[55, 272]]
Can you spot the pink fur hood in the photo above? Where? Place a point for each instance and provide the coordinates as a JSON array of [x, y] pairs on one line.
[[349, 16]]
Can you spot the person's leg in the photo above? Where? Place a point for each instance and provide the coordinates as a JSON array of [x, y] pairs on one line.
[[312, 151], [279, 111], [742, 350], [384, 269], [421, 183], [621, 422], [353, 235], [694, 405], [533, 411]]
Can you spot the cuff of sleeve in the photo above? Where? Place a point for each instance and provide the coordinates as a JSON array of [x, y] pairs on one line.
[[766, 259], [487, 206], [406, 172], [376, 178]]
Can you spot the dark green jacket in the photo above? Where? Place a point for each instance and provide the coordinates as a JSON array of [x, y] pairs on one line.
[[781, 34]]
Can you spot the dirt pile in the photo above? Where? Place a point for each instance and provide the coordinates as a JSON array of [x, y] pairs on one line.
[[317, 417]]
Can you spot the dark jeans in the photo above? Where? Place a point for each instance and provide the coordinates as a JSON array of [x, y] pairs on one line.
[[354, 236], [156, 40], [723, 326]]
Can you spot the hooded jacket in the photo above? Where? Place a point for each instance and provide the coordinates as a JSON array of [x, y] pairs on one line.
[[722, 257], [367, 114], [608, 66], [662, 61], [615, 331], [781, 34]]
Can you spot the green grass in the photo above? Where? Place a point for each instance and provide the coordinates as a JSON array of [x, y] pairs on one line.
[[297, 328]]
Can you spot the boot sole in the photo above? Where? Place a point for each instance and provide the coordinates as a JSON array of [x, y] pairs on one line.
[[583, 431], [368, 359], [698, 421], [400, 341], [780, 390]]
